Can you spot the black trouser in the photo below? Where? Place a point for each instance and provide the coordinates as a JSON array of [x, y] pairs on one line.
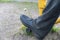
[[44, 23]]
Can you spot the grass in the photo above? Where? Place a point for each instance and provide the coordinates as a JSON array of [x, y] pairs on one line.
[[55, 29]]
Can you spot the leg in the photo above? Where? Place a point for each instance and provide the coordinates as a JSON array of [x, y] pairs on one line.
[[42, 25], [46, 21]]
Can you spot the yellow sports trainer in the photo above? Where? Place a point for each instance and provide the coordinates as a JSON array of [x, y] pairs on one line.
[[41, 6]]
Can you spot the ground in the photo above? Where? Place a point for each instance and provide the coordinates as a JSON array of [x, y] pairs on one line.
[[10, 23]]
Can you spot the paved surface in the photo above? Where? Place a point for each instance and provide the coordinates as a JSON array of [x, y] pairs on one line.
[[10, 21]]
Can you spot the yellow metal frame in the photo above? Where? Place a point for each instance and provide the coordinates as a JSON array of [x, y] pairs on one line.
[[41, 6]]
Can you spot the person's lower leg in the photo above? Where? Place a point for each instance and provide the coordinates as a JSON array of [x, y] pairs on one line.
[[45, 22]]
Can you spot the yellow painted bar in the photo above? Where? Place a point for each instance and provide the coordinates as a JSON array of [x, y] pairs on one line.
[[58, 20], [41, 6]]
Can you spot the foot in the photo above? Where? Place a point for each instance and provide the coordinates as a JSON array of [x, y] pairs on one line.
[[28, 22], [37, 26]]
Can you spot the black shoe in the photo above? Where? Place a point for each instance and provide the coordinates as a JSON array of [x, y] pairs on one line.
[[40, 27], [30, 24]]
